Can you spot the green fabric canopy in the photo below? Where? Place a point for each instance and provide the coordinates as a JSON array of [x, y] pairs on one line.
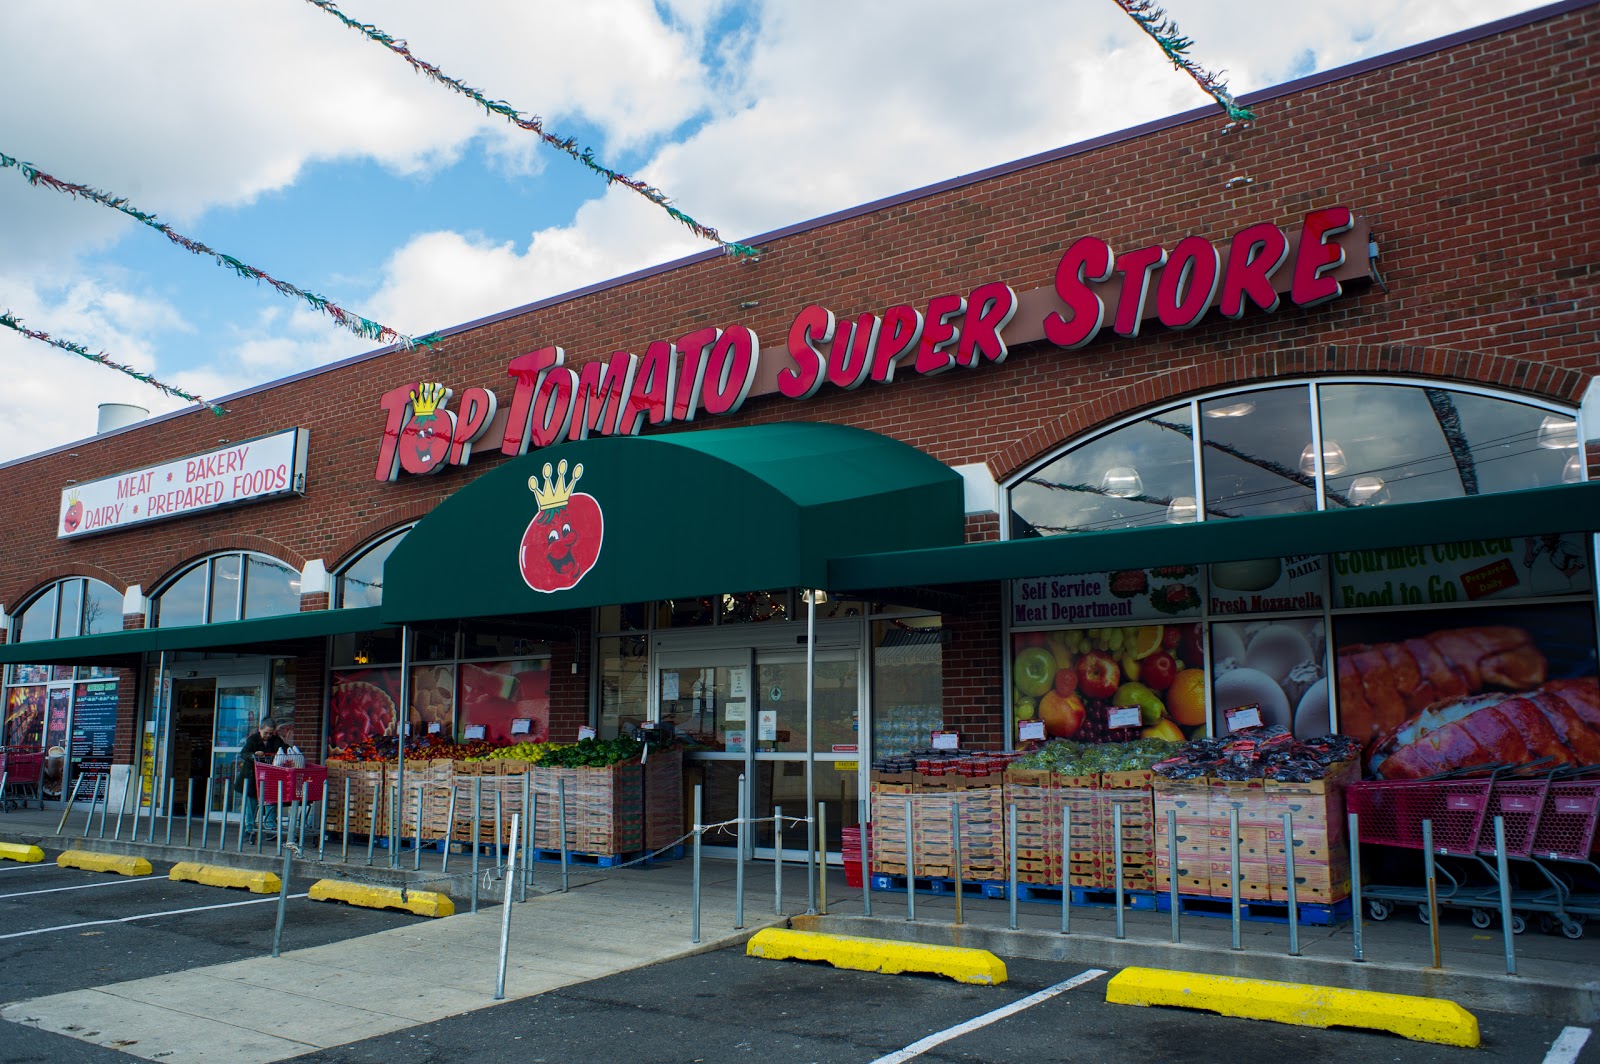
[[113, 646], [681, 514], [1568, 508]]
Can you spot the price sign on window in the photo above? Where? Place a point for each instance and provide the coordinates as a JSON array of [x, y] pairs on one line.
[[1244, 717], [1030, 729]]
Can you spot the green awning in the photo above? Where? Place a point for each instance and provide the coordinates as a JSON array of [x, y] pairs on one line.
[[1568, 508], [230, 635], [659, 517]]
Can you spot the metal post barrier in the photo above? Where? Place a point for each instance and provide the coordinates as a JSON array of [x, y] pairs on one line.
[[695, 915], [561, 824], [1172, 871], [244, 803], [66, 810], [1066, 868], [155, 794], [396, 838], [1355, 886], [738, 865], [1433, 888], [777, 860], [955, 855], [372, 821], [138, 807], [344, 825], [205, 821], [1507, 930], [127, 789], [1294, 893], [416, 857], [911, 865], [1116, 870], [505, 908], [278, 819], [822, 860], [105, 807], [862, 819], [498, 838], [1233, 871], [530, 832], [222, 828], [1011, 865], [283, 898], [477, 828], [527, 837], [322, 824], [171, 784], [94, 799], [188, 816], [449, 831]]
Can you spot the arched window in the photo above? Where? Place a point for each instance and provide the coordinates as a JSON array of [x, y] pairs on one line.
[[228, 587], [1313, 445], [361, 580], [75, 606]]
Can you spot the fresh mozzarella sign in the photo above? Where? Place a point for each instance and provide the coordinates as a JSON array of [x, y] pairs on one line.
[[244, 472], [714, 369]]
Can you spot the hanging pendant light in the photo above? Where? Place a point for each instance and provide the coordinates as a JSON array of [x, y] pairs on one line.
[[1242, 408], [1183, 510], [1558, 433], [1572, 472], [1333, 460], [1368, 491], [1123, 482]]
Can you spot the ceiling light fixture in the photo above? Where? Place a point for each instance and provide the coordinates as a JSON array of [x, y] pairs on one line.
[[1333, 460], [1368, 491], [1123, 482], [1558, 433], [1183, 510], [1240, 409]]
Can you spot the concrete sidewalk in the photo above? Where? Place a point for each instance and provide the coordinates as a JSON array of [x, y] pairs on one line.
[[616, 919]]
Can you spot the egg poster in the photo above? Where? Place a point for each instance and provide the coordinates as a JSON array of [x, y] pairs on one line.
[[1278, 667]]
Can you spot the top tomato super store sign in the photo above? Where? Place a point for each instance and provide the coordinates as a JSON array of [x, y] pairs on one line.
[[716, 370]]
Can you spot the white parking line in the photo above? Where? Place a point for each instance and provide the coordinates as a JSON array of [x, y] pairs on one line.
[[88, 886], [1564, 1050], [143, 916], [921, 1046]]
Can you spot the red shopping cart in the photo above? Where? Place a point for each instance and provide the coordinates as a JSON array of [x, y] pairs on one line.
[[21, 769], [304, 784]]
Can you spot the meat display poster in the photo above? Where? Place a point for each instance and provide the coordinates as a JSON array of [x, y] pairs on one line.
[[94, 728], [495, 693], [1428, 691]]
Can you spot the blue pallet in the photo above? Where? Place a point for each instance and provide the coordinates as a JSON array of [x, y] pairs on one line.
[[940, 885], [1100, 897], [605, 860], [1274, 912]]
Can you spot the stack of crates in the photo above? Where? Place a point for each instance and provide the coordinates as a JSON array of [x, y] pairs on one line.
[[1129, 791], [1036, 794], [977, 799]]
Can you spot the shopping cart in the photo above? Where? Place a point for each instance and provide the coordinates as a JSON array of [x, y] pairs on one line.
[[1563, 849], [288, 789], [21, 769], [1391, 814]]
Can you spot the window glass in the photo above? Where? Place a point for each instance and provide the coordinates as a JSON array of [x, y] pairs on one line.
[[1129, 477], [630, 617], [69, 616], [271, 588], [1408, 444], [1257, 453], [478, 643], [38, 620], [623, 663], [102, 610], [184, 600], [683, 613], [907, 684], [224, 588], [361, 582], [381, 647], [753, 607]]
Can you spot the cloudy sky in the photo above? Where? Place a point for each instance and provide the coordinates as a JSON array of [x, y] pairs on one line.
[[269, 131]]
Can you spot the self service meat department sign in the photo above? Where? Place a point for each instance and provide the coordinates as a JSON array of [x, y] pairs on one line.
[[243, 472]]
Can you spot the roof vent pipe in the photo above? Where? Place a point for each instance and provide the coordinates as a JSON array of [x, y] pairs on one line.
[[115, 416]]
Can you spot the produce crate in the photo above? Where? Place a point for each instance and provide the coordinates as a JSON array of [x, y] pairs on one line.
[[663, 798], [434, 777], [605, 807], [980, 806], [363, 813]]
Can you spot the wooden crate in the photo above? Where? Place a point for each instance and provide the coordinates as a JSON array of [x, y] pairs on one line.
[[363, 812], [605, 807], [663, 798]]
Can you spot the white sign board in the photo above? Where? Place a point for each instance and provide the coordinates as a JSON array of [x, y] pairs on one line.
[[767, 726], [242, 472]]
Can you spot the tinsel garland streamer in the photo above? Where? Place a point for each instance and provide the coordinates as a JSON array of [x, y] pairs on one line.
[[363, 327], [535, 125], [11, 322], [1155, 22]]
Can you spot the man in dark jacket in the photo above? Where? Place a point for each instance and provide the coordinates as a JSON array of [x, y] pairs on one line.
[[257, 749]]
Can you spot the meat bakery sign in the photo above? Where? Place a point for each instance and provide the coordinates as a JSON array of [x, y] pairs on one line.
[[714, 370], [243, 472]]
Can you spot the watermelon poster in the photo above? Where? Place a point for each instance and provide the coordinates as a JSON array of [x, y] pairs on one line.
[[499, 695]]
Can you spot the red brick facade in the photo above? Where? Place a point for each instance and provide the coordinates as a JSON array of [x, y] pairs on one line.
[[1475, 162]]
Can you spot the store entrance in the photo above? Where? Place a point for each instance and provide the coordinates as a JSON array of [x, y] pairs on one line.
[[214, 709], [746, 708]]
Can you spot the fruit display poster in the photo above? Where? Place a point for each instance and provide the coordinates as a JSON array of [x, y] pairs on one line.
[[25, 708], [496, 693], [1296, 583], [1279, 665], [1443, 573], [1468, 686], [1072, 680], [1158, 593], [361, 705]]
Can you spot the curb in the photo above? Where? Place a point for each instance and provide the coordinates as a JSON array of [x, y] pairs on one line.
[[420, 902], [1419, 1019], [104, 862], [879, 955], [215, 876], [16, 851]]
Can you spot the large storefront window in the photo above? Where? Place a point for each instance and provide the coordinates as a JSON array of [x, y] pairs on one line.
[[77, 606], [1293, 448], [360, 582], [228, 587], [70, 714]]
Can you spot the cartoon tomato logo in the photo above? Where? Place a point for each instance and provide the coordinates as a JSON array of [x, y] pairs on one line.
[[74, 515], [425, 441], [563, 540]]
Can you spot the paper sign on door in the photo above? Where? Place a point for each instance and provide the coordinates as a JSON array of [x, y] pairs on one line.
[[767, 726]]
